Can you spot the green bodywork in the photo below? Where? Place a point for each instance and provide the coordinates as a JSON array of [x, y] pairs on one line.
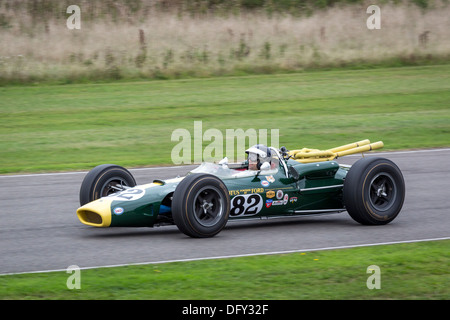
[[317, 189]]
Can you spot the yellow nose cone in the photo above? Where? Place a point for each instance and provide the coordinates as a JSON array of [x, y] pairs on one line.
[[96, 213]]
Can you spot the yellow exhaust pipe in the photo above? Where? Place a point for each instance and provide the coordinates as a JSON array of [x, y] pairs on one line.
[[369, 147], [351, 145], [306, 155]]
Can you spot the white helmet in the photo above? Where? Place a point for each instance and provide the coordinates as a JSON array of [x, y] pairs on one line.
[[263, 153], [260, 150]]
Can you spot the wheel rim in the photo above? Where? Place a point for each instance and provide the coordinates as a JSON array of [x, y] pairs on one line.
[[383, 191], [208, 206], [112, 186]]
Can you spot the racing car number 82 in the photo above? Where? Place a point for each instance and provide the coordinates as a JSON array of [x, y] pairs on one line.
[[248, 204]]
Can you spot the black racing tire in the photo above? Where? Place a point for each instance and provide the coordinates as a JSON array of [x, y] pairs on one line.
[[201, 205], [374, 191], [103, 181]]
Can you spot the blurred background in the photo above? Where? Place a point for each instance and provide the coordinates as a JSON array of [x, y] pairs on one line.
[[166, 39]]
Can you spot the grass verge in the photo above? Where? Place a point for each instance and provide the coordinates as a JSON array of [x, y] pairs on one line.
[[50, 128], [408, 271]]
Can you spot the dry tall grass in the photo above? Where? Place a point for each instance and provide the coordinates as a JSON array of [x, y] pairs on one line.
[[168, 44]]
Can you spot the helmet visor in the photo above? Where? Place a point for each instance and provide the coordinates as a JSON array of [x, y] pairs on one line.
[[252, 156]]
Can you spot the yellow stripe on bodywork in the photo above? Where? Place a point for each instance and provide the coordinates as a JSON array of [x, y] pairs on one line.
[[96, 213]]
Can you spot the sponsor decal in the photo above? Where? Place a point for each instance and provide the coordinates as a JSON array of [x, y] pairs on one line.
[[271, 179], [270, 194], [278, 203], [234, 192], [245, 191], [293, 199], [265, 183], [118, 211], [269, 203], [285, 199], [280, 194]]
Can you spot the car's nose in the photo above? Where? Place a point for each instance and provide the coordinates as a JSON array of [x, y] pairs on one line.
[[96, 213]]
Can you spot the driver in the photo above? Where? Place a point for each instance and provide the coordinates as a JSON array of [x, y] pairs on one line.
[[257, 155]]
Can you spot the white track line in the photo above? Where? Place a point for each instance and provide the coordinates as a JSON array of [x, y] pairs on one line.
[[173, 167], [236, 256], [80, 172]]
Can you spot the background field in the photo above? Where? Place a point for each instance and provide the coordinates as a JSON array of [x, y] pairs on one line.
[[143, 39], [408, 271], [47, 128]]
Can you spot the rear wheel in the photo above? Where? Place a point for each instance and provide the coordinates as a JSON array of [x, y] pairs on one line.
[[201, 205], [103, 181], [374, 191]]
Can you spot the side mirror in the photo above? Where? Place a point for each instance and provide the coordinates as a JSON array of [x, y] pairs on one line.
[[265, 166], [293, 173]]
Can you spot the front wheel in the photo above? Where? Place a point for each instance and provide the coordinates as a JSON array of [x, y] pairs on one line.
[[374, 191], [103, 181], [201, 205]]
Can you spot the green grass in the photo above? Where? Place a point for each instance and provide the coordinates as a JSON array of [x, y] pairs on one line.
[[408, 271], [67, 127]]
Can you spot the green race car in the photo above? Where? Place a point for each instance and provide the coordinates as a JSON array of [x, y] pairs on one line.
[[270, 183]]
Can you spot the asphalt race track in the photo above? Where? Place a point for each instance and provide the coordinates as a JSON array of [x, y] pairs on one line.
[[39, 229]]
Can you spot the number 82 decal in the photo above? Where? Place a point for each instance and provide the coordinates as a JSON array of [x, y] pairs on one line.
[[246, 204]]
